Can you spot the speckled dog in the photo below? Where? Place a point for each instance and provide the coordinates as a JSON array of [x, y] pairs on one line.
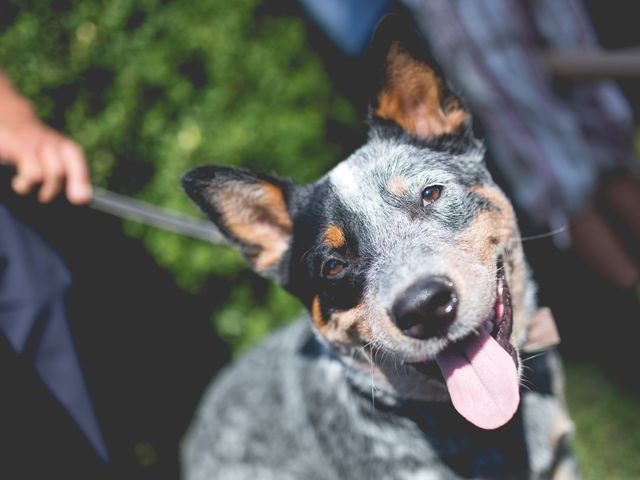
[[408, 257]]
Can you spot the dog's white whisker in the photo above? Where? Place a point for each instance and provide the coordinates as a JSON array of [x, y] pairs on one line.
[[540, 236], [526, 385], [531, 357], [304, 255], [361, 350], [373, 389]]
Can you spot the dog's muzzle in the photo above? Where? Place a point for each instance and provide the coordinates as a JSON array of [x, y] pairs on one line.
[[480, 370]]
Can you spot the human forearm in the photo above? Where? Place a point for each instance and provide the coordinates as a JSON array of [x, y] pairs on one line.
[[13, 106]]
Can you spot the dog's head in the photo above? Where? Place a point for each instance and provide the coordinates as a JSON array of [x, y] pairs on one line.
[[406, 253]]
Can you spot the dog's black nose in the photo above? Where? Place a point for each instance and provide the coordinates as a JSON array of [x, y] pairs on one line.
[[426, 308]]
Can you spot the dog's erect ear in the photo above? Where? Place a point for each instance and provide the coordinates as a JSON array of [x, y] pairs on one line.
[[412, 91], [251, 209]]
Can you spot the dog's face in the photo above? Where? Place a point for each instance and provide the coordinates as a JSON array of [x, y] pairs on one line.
[[406, 254]]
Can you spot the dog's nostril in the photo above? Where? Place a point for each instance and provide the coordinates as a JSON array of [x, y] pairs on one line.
[[426, 308]]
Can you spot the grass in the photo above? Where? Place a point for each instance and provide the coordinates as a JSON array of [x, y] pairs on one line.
[[607, 420]]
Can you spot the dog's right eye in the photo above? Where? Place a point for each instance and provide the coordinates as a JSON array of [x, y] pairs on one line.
[[332, 268], [431, 194]]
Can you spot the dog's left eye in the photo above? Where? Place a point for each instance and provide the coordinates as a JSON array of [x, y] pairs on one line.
[[431, 194], [332, 268]]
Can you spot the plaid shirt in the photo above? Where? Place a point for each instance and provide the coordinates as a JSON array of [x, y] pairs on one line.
[[551, 147]]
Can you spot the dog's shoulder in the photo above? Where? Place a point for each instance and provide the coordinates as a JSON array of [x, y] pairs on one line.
[[255, 413]]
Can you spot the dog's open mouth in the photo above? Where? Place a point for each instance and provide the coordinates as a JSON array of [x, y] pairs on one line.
[[500, 325], [481, 370]]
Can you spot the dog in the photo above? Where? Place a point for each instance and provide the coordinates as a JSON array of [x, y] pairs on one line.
[[415, 363]]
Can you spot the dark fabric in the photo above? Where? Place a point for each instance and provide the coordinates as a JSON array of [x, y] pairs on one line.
[[38, 437], [35, 329]]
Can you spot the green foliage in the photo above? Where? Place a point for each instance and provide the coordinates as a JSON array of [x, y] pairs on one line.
[[151, 88], [242, 323]]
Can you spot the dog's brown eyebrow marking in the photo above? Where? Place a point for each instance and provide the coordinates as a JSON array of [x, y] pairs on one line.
[[397, 186], [334, 237]]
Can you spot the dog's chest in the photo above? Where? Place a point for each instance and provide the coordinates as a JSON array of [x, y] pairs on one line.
[[291, 411], [412, 440]]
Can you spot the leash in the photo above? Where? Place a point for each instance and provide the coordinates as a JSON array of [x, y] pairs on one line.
[[142, 212], [129, 208]]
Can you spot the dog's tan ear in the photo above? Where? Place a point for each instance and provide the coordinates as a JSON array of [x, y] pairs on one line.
[[249, 208], [412, 92]]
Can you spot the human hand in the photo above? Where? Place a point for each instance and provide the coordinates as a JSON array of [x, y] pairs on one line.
[[43, 157], [599, 242]]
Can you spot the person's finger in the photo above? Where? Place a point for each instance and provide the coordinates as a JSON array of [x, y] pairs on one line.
[[78, 181], [53, 170], [594, 240], [623, 196], [29, 172]]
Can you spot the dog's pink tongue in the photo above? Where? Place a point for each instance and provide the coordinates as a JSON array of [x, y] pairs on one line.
[[482, 381]]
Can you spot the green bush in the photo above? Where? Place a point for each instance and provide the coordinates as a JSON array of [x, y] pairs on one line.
[[151, 88]]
